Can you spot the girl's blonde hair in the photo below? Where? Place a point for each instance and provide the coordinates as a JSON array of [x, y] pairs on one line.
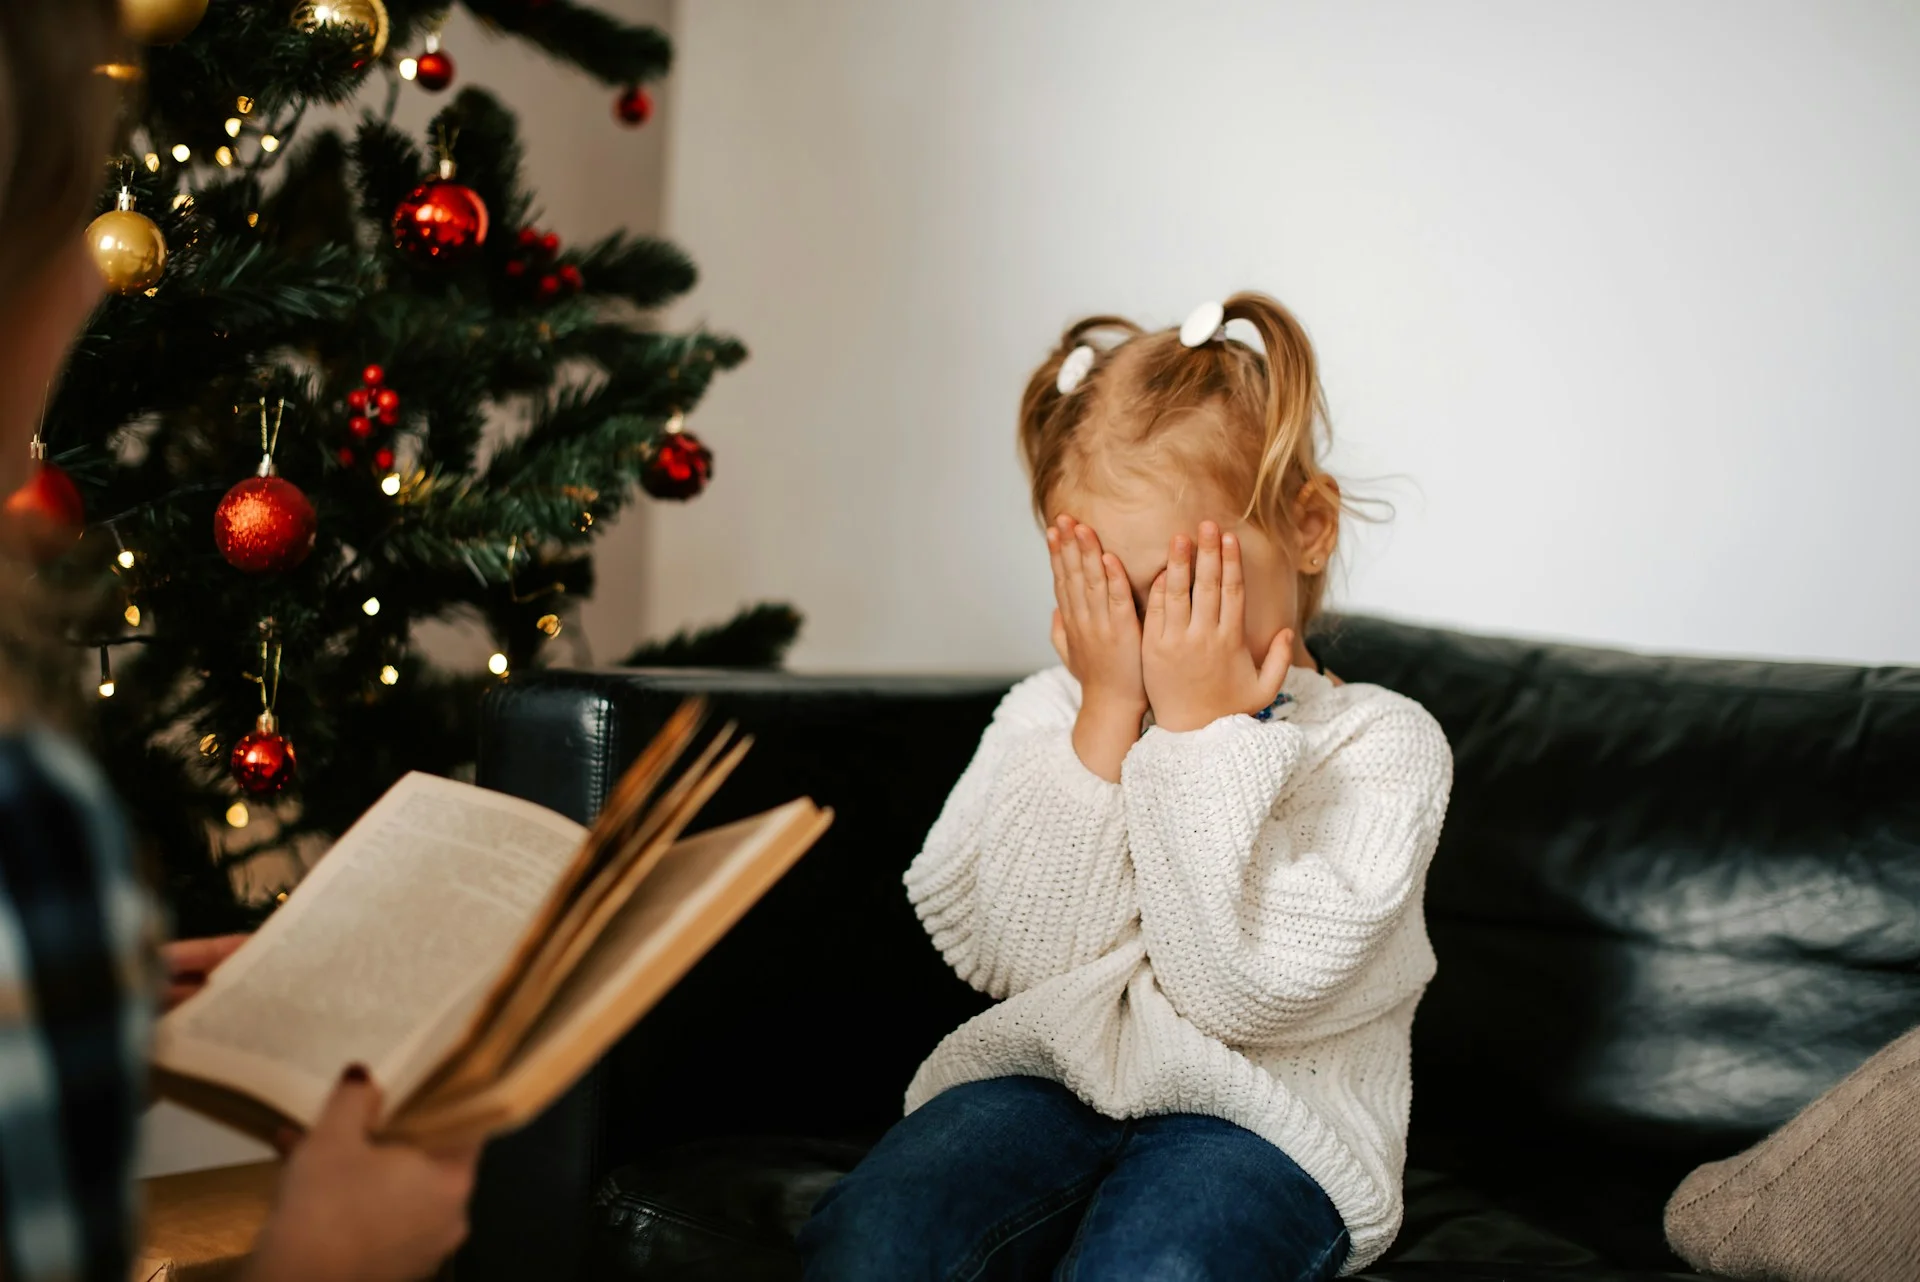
[[1251, 423]]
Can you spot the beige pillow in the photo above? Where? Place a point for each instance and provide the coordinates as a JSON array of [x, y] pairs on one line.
[[1832, 1196]]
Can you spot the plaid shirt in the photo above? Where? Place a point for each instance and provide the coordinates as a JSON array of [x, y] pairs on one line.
[[76, 1010]]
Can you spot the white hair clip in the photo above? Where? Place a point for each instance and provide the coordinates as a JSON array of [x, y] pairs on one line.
[[1073, 370], [1204, 324]]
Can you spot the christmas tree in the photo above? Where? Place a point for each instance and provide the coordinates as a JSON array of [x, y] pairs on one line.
[[274, 434]]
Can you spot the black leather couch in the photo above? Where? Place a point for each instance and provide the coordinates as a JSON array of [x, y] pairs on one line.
[[1675, 900]]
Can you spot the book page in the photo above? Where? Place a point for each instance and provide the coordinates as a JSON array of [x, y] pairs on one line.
[[697, 891], [381, 953]]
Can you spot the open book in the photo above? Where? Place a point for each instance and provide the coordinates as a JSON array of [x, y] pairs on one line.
[[477, 952]]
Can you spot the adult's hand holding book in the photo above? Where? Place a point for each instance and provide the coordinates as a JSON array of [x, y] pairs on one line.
[[476, 952]]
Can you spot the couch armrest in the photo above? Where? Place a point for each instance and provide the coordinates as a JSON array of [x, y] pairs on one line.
[[810, 1016]]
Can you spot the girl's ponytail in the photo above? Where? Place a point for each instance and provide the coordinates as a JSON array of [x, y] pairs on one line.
[[1048, 416], [1295, 407]]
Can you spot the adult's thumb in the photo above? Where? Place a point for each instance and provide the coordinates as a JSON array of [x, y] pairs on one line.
[[352, 1109]]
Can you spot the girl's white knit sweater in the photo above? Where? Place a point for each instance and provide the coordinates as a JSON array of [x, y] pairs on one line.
[[1233, 929]]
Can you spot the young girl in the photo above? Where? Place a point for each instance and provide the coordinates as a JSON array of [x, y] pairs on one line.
[[1205, 935]]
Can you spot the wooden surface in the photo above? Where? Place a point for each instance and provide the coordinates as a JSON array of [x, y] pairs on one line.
[[200, 1225]]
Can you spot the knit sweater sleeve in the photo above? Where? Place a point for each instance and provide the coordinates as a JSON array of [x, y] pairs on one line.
[[1025, 875], [1255, 918]]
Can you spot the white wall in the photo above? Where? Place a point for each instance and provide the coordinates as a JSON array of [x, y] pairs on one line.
[[1622, 293]]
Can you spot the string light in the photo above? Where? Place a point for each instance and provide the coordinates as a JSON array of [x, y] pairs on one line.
[[549, 624], [182, 201], [497, 664], [233, 126], [237, 815], [409, 68], [269, 143], [390, 484], [106, 675], [182, 152], [370, 606], [243, 104], [125, 559], [389, 675], [152, 162], [132, 615], [224, 156], [209, 745], [253, 218]]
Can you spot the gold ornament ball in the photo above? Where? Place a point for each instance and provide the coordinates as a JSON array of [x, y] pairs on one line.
[[364, 20], [128, 248], [160, 22]]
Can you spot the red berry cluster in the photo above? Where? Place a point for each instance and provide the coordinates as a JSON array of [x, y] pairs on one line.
[[533, 265], [375, 407]]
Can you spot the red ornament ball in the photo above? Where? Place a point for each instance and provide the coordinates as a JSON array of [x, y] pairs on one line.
[[264, 524], [387, 399], [438, 218], [433, 70], [262, 762], [44, 517], [373, 376], [357, 399], [550, 245], [383, 460], [345, 456], [361, 426], [389, 417], [549, 286], [677, 467], [570, 277], [634, 107]]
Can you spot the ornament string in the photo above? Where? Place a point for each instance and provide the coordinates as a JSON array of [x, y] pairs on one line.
[[270, 440]]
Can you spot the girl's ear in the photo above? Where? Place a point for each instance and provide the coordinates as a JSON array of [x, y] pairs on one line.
[[1316, 518]]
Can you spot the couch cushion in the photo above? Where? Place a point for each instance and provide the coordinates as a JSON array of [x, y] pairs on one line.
[[728, 1210]]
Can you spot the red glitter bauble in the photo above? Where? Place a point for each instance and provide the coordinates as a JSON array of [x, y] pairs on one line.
[[264, 524], [373, 376], [634, 107], [438, 218], [44, 517], [433, 70], [677, 467], [262, 762]]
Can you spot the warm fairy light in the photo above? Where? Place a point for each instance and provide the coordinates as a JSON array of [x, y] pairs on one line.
[[497, 665], [233, 126], [224, 156], [182, 152], [182, 200], [243, 104], [106, 687], [409, 68], [389, 675], [370, 606], [131, 615], [269, 143], [125, 559], [253, 218], [237, 815], [390, 483], [209, 745], [549, 624], [152, 161]]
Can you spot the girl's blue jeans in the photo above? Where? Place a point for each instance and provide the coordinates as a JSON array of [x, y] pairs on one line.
[[1015, 1178]]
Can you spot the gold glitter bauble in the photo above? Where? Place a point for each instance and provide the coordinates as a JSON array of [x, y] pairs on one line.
[[128, 248], [160, 22], [364, 20]]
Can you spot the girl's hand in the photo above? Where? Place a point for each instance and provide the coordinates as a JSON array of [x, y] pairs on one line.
[[188, 962], [1194, 658], [1096, 632]]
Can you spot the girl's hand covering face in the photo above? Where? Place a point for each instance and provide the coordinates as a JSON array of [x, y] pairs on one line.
[[1194, 661], [1096, 628]]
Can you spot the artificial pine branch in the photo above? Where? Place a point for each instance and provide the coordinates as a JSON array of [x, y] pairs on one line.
[[757, 637]]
